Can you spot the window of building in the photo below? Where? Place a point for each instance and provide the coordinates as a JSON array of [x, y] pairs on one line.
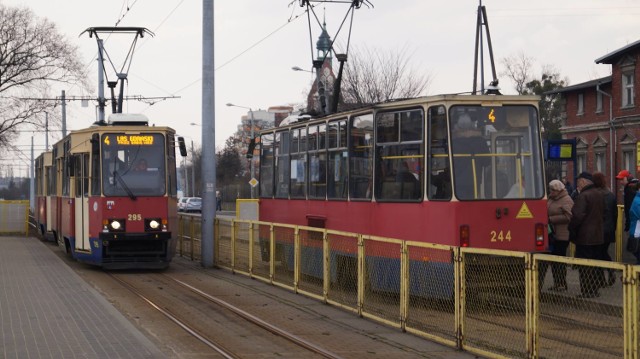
[[627, 89], [581, 162], [601, 164], [598, 102], [580, 104], [628, 159]]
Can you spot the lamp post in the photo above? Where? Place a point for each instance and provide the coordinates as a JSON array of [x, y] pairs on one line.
[[297, 68], [251, 158]]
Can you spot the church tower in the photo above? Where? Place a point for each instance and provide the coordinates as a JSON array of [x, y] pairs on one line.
[[320, 97]]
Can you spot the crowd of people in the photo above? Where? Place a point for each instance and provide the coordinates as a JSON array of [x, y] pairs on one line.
[[586, 216]]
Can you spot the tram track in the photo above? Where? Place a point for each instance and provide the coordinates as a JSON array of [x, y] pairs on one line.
[[225, 350]]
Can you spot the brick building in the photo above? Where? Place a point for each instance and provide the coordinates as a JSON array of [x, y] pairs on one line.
[[603, 115]]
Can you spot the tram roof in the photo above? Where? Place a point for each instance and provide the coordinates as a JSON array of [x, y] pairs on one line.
[[484, 100]]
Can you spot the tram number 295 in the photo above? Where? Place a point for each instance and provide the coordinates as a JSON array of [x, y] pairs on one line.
[[500, 236]]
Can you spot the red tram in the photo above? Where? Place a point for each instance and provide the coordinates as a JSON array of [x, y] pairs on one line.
[[108, 195], [461, 170]]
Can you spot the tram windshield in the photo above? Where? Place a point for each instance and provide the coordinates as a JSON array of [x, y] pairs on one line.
[[133, 165], [496, 152]]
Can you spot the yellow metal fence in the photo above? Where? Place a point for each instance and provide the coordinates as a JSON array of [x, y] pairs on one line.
[[14, 217], [498, 304]]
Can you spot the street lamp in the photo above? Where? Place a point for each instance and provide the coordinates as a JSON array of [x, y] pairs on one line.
[[297, 68], [251, 123]]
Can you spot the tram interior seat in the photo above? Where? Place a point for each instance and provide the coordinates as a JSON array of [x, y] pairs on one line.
[[398, 190]]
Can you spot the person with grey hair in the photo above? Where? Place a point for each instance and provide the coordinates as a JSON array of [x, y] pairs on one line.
[[586, 231], [559, 208]]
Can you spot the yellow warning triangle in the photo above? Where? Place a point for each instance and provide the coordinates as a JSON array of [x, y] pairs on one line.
[[524, 211]]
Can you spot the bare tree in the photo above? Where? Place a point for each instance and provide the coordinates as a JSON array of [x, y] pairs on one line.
[[33, 56], [373, 76], [518, 68]]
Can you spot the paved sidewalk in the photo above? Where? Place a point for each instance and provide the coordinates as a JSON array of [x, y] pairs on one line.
[[48, 311]]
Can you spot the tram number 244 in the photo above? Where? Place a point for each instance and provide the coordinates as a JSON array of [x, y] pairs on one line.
[[500, 236]]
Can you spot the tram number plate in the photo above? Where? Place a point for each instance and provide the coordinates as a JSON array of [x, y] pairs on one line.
[[134, 217], [500, 236]]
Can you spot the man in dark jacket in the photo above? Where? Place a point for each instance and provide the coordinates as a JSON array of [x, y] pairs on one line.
[[629, 184], [587, 233]]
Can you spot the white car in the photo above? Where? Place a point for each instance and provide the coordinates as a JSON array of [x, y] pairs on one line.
[[193, 204], [182, 203]]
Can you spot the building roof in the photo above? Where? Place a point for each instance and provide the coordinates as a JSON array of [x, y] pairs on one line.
[[611, 57], [581, 86]]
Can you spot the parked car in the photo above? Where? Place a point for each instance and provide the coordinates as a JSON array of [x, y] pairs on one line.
[[182, 203], [194, 204]]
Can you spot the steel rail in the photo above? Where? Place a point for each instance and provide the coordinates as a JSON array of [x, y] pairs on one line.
[[215, 346], [259, 322]]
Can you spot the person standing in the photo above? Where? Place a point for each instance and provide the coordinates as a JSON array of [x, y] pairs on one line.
[[629, 192], [610, 220], [586, 232], [218, 201], [559, 207]]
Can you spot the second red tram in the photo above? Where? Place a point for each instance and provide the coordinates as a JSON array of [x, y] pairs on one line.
[[459, 170]]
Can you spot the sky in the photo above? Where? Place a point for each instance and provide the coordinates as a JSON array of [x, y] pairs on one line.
[[257, 42]]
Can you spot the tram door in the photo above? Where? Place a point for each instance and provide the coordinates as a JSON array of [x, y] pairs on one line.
[[80, 171]]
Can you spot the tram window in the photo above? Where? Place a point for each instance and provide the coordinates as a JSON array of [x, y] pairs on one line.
[[496, 152], [313, 138], [171, 162], [298, 175], [337, 160], [66, 180], [399, 169], [281, 149], [266, 165], [322, 137], [121, 155], [95, 165], [360, 157], [317, 163], [439, 180]]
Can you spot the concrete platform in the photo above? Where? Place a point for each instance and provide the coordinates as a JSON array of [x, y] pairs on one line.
[[48, 311]]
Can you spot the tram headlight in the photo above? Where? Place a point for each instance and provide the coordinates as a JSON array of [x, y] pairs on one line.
[[154, 224], [115, 224]]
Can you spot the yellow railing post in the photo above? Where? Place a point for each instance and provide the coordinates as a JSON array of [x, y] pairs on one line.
[[180, 233], [361, 273], [191, 236], [630, 311], [326, 266], [233, 245], [251, 249], [272, 253], [460, 294], [619, 234], [216, 240], [404, 285], [532, 305], [296, 259]]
